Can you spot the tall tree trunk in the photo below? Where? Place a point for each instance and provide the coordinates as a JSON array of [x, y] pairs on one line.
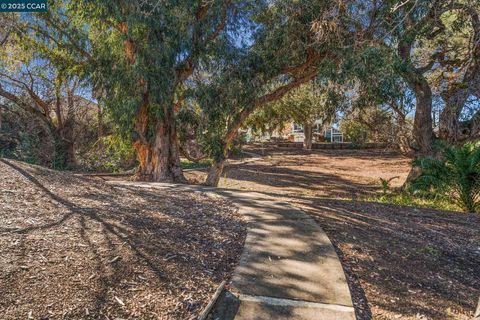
[[308, 132], [423, 135], [422, 125], [215, 173], [159, 160]]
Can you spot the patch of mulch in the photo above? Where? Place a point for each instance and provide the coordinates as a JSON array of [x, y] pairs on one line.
[[403, 262], [76, 248], [400, 262]]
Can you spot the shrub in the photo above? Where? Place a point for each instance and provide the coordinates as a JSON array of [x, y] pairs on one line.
[[455, 173], [355, 132], [109, 154]]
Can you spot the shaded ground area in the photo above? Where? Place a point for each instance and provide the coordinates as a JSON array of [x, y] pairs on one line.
[[326, 173], [73, 247], [288, 269], [408, 263], [401, 262]]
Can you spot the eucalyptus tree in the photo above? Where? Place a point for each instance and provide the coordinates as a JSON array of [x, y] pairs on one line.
[[35, 77], [309, 104], [143, 52], [458, 75], [293, 43], [433, 50], [136, 57]]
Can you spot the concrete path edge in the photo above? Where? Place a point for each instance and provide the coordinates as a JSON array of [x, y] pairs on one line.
[[288, 268]]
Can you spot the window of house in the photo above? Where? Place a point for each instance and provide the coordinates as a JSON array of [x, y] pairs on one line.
[[297, 128]]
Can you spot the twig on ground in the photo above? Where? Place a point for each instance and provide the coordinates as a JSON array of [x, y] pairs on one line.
[[209, 306]]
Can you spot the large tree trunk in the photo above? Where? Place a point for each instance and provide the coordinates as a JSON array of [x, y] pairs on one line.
[[451, 128], [215, 173], [308, 132], [455, 99], [422, 126], [423, 136], [159, 160]]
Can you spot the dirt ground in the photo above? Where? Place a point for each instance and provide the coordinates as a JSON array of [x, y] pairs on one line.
[[77, 248], [401, 262], [325, 173], [147, 254]]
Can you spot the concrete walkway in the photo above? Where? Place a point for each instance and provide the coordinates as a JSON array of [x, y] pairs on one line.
[[288, 269]]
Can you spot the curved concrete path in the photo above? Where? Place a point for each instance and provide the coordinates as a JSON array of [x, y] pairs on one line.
[[288, 269]]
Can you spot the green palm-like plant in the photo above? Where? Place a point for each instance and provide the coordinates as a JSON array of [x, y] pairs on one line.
[[456, 173]]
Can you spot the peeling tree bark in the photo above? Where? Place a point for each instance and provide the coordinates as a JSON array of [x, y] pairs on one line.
[[308, 132], [159, 159], [215, 172]]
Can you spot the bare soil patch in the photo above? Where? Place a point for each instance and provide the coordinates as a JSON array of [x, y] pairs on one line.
[[325, 173], [76, 248], [401, 262]]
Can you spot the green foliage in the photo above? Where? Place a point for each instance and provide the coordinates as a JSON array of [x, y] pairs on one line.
[[28, 150], [375, 71], [306, 104], [111, 153], [202, 164], [456, 173], [406, 198], [161, 34], [355, 132], [385, 184]]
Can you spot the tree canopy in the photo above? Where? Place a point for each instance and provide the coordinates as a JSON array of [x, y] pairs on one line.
[[156, 65]]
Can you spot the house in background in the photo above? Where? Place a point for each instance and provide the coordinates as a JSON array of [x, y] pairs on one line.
[[333, 135], [329, 134]]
